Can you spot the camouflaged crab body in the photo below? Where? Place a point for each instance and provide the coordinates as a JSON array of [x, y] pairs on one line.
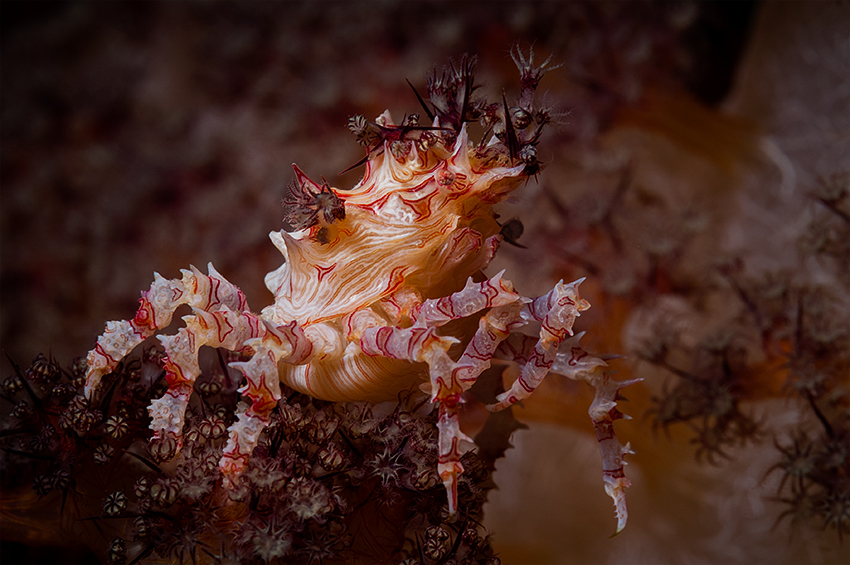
[[414, 228], [371, 282]]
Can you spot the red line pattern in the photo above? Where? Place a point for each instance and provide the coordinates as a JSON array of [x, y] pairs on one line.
[[576, 355], [212, 293], [145, 317], [223, 326], [100, 350], [302, 349], [323, 271]]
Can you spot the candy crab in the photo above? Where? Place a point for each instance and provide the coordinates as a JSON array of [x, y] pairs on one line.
[[370, 278]]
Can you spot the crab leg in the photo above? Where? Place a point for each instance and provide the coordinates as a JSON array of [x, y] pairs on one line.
[[222, 328], [156, 308], [558, 310], [220, 319], [449, 379], [603, 412], [473, 298], [493, 327], [235, 331], [262, 389], [421, 344], [570, 361], [574, 362]]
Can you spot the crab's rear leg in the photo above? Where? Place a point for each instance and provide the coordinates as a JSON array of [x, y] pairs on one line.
[[603, 412], [449, 379]]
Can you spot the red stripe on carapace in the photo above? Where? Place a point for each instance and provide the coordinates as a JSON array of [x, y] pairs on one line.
[[419, 206], [323, 271], [376, 205], [396, 279]]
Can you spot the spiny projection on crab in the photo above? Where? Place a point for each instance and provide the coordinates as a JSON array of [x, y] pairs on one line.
[[370, 279]]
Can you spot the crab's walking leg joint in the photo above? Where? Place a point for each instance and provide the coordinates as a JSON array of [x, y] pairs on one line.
[[473, 298], [221, 328], [156, 307]]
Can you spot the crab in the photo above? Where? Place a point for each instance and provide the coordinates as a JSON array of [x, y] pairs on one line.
[[371, 280]]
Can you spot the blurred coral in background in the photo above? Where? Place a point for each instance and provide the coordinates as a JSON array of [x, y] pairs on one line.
[[698, 177]]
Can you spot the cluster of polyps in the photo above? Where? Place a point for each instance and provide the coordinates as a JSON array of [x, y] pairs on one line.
[[370, 275]]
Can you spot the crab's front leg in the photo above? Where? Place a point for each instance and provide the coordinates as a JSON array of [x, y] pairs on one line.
[[237, 331], [220, 319], [221, 328], [449, 379], [157, 306]]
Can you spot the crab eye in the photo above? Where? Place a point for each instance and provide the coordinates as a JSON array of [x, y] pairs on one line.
[[445, 177]]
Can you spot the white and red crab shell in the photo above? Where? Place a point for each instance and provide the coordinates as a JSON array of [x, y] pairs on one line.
[[364, 288], [414, 228]]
